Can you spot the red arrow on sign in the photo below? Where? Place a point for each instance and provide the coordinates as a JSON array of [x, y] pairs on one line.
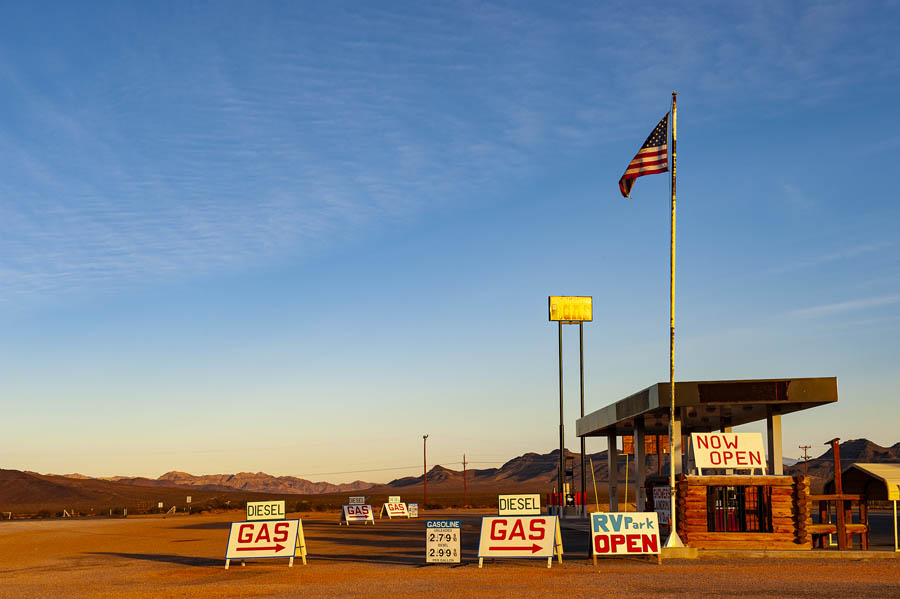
[[534, 548], [276, 548]]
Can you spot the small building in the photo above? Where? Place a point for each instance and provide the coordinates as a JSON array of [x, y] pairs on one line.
[[720, 509], [874, 482]]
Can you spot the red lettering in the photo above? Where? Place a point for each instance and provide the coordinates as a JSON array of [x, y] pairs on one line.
[[615, 541], [518, 531], [755, 458], [716, 442], [727, 456], [245, 533], [497, 533], [702, 442], [733, 444], [601, 544], [715, 457], [741, 457], [537, 527], [263, 534], [281, 532], [633, 544], [651, 544]]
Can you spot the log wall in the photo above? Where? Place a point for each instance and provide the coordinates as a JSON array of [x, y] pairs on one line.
[[791, 515]]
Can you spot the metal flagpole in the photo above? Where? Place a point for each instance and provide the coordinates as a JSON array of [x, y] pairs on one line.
[[673, 540]]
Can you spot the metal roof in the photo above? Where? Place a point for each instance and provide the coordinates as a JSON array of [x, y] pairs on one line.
[[707, 406], [875, 481]]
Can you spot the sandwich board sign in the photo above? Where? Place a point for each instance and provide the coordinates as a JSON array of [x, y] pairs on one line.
[[260, 539], [413, 509], [442, 541], [357, 513], [624, 533], [520, 536], [265, 510], [394, 510], [662, 504], [519, 505]]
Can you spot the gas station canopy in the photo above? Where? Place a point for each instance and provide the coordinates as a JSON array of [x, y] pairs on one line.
[[706, 406]]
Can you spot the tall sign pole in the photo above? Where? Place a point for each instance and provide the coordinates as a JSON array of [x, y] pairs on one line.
[[425, 471], [570, 310], [674, 540], [581, 362], [562, 436]]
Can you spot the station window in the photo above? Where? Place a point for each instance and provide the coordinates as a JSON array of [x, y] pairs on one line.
[[739, 509]]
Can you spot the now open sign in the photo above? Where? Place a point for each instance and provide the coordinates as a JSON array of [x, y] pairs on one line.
[[728, 450], [622, 533]]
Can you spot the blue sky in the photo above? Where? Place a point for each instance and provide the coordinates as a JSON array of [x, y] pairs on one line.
[[296, 237]]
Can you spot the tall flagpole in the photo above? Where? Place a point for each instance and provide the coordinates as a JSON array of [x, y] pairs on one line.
[[674, 540]]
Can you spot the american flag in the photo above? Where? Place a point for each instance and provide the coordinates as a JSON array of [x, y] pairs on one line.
[[652, 158]]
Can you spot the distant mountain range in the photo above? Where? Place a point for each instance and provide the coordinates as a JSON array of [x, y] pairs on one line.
[[532, 472]]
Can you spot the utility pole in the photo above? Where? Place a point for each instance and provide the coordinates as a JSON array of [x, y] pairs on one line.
[[465, 484], [425, 470], [805, 458]]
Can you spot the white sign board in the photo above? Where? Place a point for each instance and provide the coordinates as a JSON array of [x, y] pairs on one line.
[[519, 505], [160, 505], [265, 538], [356, 500], [394, 499], [265, 510], [394, 510], [662, 504], [733, 451], [188, 498], [442, 541], [357, 513], [623, 533], [413, 509], [520, 536]]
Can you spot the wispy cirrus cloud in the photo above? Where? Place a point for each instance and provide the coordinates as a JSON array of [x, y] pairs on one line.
[[847, 306], [842, 254], [217, 141]]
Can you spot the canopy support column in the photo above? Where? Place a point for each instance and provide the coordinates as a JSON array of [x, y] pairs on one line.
[[640, 465], [773, 435], [612, 457]]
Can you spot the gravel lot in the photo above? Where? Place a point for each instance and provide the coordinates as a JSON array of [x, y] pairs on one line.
[[182, 556]]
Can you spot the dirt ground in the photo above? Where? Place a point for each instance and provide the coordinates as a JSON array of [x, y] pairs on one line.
[[183, 556]]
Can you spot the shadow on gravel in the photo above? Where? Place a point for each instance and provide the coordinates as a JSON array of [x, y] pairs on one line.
[[181, 560], [415, 559], [206, 526]]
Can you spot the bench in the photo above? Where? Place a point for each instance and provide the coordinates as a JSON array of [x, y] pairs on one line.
[[820, 531]]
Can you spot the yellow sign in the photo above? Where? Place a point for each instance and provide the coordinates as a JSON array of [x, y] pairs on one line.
[[576, 308]]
